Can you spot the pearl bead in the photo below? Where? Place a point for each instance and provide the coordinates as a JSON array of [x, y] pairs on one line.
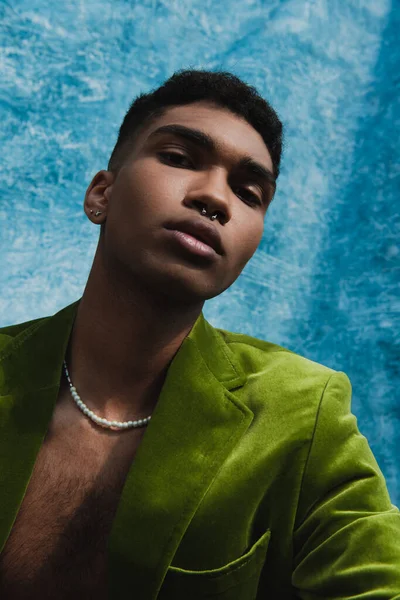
[[89, 413]]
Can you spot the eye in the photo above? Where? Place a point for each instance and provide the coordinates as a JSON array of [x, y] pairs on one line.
[[176, 158], [252, 198]]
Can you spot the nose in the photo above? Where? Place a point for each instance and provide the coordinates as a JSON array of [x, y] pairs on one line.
[[210, 190]]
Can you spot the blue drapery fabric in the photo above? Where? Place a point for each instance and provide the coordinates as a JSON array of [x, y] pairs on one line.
[[324, 281]]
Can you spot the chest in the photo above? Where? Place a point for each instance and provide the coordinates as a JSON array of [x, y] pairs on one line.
[[58, 544]]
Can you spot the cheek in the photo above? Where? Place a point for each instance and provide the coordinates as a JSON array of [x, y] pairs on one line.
[[249, 242], [251, 231], [133, 188], [257, 234], [240, 249], [149, 188]]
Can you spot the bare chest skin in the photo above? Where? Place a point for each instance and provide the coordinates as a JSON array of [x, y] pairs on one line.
[[57, 546]]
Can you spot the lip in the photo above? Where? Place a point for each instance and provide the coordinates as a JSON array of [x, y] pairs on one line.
[[201, 230], [194, 245]]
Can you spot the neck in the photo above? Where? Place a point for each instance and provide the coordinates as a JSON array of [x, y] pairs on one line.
[[122, 343]]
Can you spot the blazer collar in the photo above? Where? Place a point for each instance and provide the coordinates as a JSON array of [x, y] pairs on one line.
[[196, 424]]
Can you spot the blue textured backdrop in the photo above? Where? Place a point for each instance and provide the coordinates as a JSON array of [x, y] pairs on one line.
[[325, 279]]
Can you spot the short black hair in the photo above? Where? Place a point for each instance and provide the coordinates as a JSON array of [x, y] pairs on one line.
[[188, 86]]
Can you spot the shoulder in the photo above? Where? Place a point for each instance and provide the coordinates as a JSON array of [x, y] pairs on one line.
[[285, 391], [283, 376], [259, 355], [12, 336], [10, 332]]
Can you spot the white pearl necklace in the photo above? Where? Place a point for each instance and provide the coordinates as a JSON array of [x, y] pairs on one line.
[[98, 420]]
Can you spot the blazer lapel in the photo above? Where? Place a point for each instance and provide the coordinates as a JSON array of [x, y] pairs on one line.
[[30, 372], [196, 424], [194, 427]]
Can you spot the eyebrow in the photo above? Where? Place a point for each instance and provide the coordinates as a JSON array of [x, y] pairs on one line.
[[205, 141]]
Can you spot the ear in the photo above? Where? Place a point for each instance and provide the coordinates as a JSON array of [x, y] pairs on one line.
[[97, 196]]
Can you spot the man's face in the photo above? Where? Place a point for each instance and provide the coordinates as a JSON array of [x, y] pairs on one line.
[[169, 177]]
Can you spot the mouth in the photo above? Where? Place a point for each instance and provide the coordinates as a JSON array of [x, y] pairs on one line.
[[193, 244], [199, 234]]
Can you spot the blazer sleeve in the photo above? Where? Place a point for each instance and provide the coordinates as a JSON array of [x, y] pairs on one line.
[[347, 532]]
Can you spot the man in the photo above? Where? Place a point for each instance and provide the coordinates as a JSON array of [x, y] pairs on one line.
[[146, 454]]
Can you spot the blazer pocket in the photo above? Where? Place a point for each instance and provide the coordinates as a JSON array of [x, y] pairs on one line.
[[237, 580]]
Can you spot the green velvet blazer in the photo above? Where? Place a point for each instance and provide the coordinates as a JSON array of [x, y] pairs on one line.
[[252, 481]]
